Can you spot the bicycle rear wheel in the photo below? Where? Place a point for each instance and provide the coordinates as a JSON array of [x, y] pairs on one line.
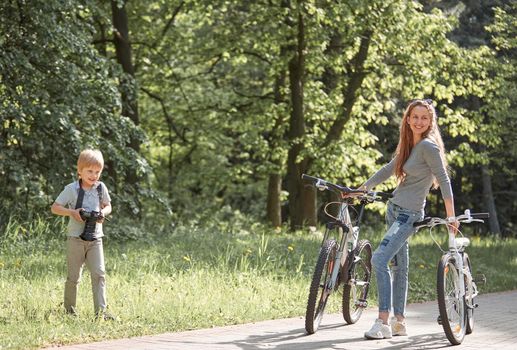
[[469, 292], [355, 291], [450, 303], [319, 290]]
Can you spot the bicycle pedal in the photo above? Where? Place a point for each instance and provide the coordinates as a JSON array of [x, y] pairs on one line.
[[481, 279], [472, 307], [361, 303]]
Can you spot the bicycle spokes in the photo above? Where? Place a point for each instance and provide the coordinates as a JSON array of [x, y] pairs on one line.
[[451, 301], [355, 292], [452, 297]]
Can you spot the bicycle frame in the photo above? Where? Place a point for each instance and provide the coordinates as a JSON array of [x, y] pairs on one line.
[[348, 240]]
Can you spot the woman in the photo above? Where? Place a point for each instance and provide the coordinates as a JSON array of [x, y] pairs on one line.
[[419, 163]]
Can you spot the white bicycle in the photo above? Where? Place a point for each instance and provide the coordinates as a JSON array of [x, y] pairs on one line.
[[456, 286]]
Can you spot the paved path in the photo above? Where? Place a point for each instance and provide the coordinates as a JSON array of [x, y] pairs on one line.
[[495, 328]]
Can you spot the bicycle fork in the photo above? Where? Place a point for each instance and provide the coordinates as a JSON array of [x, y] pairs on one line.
[[456, 250], [345, 231], [333, 282], [458, 261]]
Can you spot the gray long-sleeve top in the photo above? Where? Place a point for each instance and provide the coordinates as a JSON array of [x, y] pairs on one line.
[[424, 161]]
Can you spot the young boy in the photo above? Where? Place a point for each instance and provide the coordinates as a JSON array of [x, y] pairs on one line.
[[85, 197]]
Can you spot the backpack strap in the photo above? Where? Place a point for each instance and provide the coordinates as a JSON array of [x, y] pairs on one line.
[[99, 192], [80, 196]]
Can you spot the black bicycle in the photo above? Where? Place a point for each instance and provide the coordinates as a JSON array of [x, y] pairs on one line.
[[343, 258]]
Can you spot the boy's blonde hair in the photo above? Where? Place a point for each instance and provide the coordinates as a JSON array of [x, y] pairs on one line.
[[90, 157]]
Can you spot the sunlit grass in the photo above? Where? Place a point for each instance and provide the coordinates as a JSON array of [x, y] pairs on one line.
[[187, 277]]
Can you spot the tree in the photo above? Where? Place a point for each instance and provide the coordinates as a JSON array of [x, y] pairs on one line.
[[128, 85], [501, 107], [479, 131], [57, 98]]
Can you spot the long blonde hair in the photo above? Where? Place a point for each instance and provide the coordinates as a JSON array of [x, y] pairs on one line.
[[405, 144]]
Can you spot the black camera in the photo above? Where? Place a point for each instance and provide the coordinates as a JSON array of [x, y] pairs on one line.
[[90, 221]]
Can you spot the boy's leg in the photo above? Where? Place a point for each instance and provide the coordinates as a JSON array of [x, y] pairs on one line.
[[75, 252], [95, 263]]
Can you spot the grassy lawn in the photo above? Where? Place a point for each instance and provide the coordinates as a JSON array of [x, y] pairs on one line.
[[188, 277]]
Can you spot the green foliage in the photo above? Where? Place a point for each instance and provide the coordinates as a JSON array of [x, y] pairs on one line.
[[214, 97], [159, 282], [58, 96]]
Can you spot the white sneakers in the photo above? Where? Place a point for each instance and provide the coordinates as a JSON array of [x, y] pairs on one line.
[[397, 327], [380, 330]]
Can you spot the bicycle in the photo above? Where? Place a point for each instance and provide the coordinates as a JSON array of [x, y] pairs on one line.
[[343, 258], [456, 287]]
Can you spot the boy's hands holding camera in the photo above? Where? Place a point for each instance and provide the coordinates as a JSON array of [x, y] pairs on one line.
[[76, 214], [81, 215], [101, 217], [105, 211]]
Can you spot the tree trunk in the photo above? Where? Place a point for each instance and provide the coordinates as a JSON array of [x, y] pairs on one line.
[[488, 198], [350, 90], [295, 167], [109, 165], [310, 212], [274, 205], [128, 84], [330, 78]]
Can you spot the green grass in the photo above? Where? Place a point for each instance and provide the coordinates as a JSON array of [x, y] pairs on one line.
[[187, 277]]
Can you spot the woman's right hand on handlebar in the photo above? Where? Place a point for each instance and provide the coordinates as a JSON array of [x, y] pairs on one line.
[[356, 194], [352, 195], [453, 226]]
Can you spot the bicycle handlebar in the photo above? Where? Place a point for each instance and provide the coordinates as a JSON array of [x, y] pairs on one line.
[[467, 217], [323, 185]]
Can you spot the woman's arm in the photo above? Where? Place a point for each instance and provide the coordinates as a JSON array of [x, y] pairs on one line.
[[449, 209], [380, 176]]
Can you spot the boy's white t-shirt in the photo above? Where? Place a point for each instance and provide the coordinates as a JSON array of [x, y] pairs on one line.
[[68, 198]]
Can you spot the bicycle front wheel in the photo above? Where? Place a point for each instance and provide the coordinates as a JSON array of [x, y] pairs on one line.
[[355, 291], [320, 286], [450, 302]]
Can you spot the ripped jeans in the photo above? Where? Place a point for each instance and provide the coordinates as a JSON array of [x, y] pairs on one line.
[[394, 248]]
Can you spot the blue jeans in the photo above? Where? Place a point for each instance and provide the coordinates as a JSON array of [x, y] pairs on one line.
[[394, 248]]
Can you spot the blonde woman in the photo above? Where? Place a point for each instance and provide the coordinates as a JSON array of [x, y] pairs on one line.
[[419, 163]]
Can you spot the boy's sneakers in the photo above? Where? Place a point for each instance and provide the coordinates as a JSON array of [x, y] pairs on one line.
[[71, 311], [106, 316], [379, 330], [397, 327]]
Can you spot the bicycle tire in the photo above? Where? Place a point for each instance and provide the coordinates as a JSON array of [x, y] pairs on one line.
[[357, 285], [319, 293], [450, 304], [468, 292]]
